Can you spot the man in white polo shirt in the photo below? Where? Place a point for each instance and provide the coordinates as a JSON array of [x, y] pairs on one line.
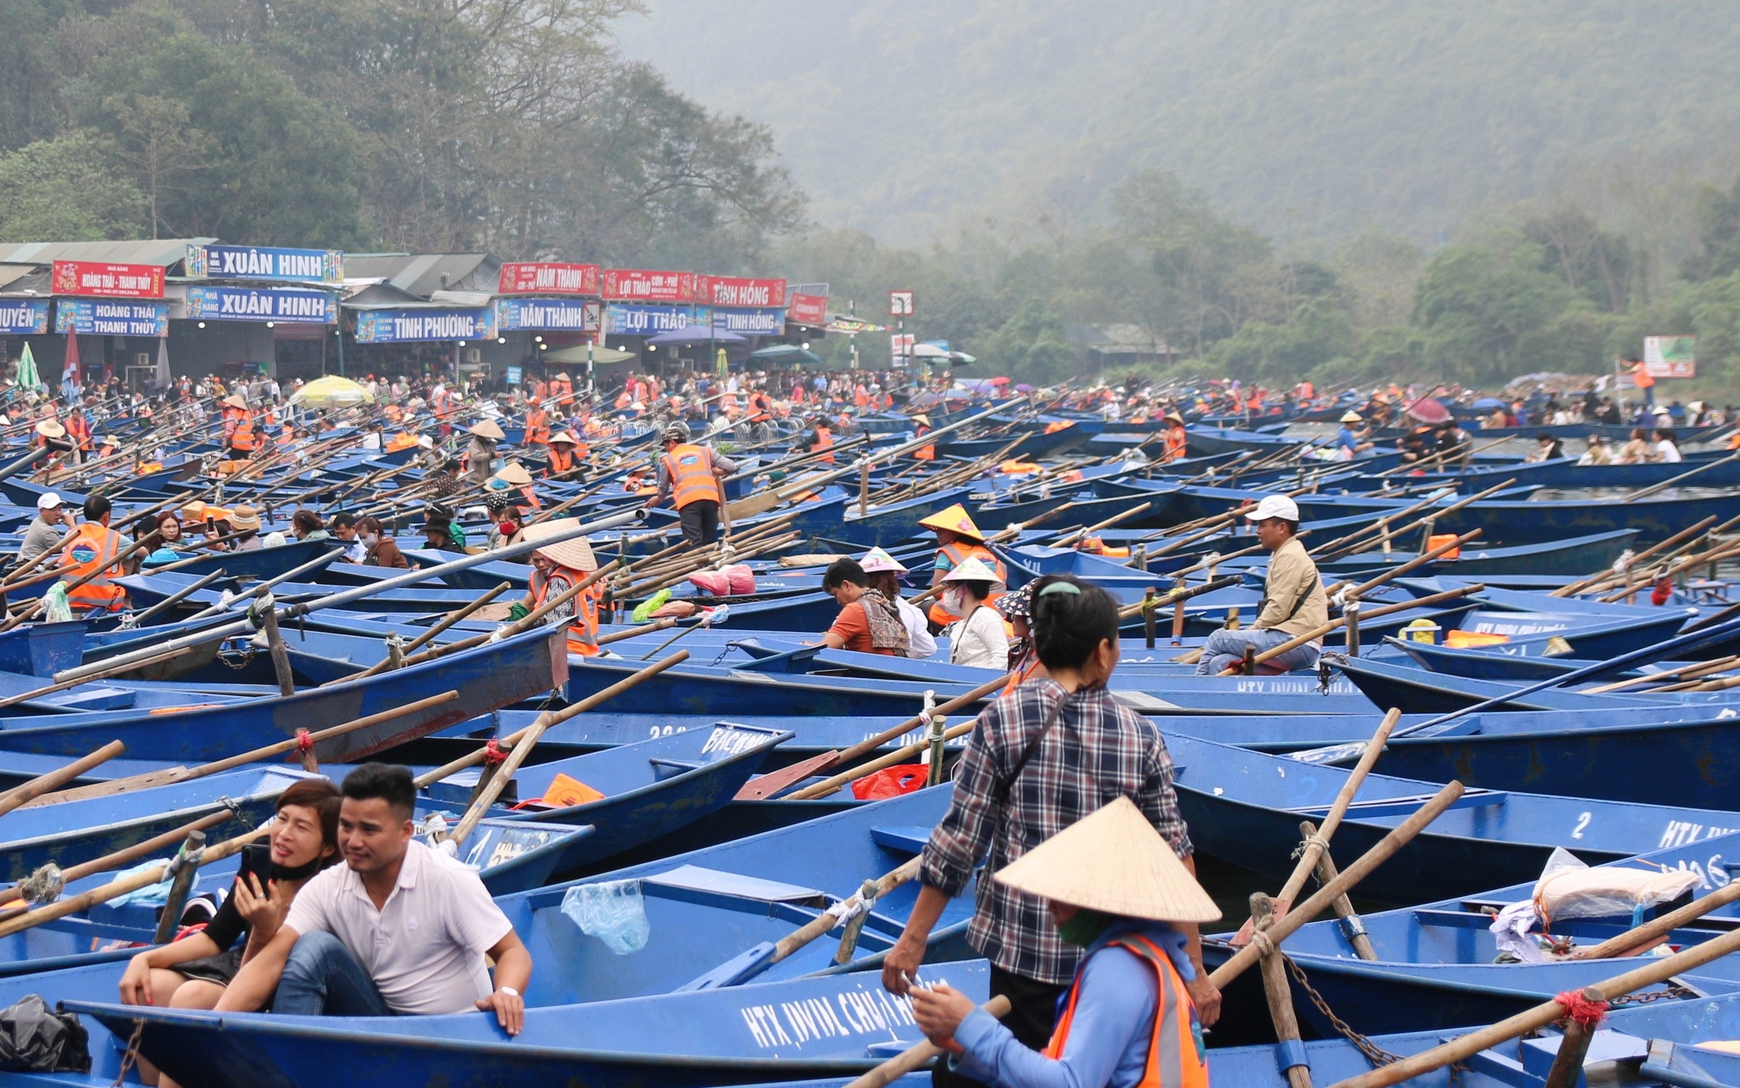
[[398, 929]]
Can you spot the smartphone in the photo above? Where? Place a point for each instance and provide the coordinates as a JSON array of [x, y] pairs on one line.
[[257, 859]]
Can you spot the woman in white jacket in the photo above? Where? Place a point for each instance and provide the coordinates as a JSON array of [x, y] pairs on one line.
[[885, 571], [979, 639]]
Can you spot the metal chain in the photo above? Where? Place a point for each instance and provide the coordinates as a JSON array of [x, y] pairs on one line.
[[238, 659], [130, 1056], [1672, 991], [1374, 1054]]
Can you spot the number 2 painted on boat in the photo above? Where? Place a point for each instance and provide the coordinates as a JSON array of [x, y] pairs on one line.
[[1582, 822]]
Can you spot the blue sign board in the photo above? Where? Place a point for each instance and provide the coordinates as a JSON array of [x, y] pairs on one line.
[[393, 326], [629, 319], [23, 316], [767, 321], [104, 317], [261, 304], [545, 314], [513, 375], [259, 263]]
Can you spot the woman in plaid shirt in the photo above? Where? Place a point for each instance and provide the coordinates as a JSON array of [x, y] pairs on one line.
[[1044, 756]]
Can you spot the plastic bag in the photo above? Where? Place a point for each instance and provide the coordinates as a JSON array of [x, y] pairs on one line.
[[1568, 888], [650, 605], [34, 1039], [612, 911], [891, 782], [56, 608]]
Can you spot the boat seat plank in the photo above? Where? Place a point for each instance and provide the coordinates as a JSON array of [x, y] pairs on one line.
[[719, 882], [1405, 806], [902, 840]]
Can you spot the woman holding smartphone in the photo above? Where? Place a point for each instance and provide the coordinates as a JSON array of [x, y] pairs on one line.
[[191, 973]]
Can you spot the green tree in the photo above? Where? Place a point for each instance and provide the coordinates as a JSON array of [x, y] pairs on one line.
[[1718, 241], [67, 190], [1594, 263], [1489, 313]]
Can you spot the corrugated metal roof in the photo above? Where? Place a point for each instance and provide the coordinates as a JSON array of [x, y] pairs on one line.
[[158, 251], [426, 273], [10, 274]]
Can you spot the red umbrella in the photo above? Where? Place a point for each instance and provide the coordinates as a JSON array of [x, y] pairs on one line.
[[1429, 410], [999, 381]]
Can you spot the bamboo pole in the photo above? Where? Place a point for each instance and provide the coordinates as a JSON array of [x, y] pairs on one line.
[[42, 784], [918, 1055]]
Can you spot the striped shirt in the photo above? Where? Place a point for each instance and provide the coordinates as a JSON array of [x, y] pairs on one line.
[[1096, 752]]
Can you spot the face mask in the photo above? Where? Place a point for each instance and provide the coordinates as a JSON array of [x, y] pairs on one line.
[[952, 599], [368, 541]]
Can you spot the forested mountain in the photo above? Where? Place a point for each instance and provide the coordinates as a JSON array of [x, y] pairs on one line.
[[1306, 119]]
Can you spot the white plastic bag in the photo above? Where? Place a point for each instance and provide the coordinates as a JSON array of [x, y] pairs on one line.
[[612, 911], [56, 608], [1569, 888]]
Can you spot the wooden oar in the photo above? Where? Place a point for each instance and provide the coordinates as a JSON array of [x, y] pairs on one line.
[[303, 741], [1316, 844], [13, 893], [597, 698], [1681, 478], [918, 1055], [21, 795], [1376, 613], [132, 882], [1653, 930], [260, 589], [1607, 574], [1684, 672], [1325, 896], [1651, 972], [446, 621]]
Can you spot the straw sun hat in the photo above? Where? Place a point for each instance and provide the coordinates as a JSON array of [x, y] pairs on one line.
[[488, 429], [972, 570], [956, 520], [1114, 862], [574, 554]]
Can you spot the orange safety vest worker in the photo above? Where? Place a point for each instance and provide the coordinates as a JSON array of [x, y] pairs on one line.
[[1175, 1058], [537, 427], [583, 628], [959, 552], [242, 438], [93, 548], [561, 460], [690, 469], [79, 430], [824, 441], [563, 392], [924, 453], [1177, 444]]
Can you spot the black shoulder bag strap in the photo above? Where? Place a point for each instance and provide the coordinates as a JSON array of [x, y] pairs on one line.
[[1008, 784]]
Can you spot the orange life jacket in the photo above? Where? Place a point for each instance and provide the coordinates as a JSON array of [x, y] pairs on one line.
[[93, 548], [1174, 1060], [563, 392], [79, 430], [583, 628], [690, 469], [824, 441], [242, 438], [959, 552], [924, 453], [560, 460], [537, 427], [1177, 444]]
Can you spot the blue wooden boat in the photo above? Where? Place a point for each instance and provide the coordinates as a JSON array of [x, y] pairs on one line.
[[1436, 970], [204, 727], [1247, 805], [651, 788]]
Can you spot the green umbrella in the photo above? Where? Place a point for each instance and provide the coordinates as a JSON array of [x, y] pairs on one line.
[[28, 378], [785, 355]]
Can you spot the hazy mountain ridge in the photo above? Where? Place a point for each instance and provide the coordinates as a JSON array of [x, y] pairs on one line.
[[1308, 119]]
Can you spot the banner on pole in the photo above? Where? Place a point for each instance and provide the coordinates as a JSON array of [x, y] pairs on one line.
[[1670, 356]]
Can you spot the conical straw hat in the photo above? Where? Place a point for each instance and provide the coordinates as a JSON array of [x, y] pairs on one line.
[[876, 559], [514, 473], [1115, 862], [973, 569], [574, 554], [955, 520], [488, 429]]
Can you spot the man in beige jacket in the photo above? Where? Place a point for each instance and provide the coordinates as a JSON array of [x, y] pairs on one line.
[[1293, 599]]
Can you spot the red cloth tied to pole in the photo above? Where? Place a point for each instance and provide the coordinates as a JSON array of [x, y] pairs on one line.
[[494, 753], [1582, 1010]]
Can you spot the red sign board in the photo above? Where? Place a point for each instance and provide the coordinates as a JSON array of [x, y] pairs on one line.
[[735, 291], [99, 280], [635, 285], [548, 279], [807, 309]]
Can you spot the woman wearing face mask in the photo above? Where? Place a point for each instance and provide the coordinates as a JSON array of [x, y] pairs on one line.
[[1043, 757], [379, 549], [978, 640], [191, 973], [1024, 663]]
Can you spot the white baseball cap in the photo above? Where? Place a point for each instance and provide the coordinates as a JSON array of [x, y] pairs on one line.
[[1275, 506], [48, 500]]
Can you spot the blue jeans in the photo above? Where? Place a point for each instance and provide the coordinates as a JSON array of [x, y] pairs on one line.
[[1226, 650], [322, 978]]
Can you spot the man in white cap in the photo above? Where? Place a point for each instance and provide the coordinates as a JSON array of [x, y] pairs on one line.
[[1293, 599], [1114, 888], [46, 528]]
